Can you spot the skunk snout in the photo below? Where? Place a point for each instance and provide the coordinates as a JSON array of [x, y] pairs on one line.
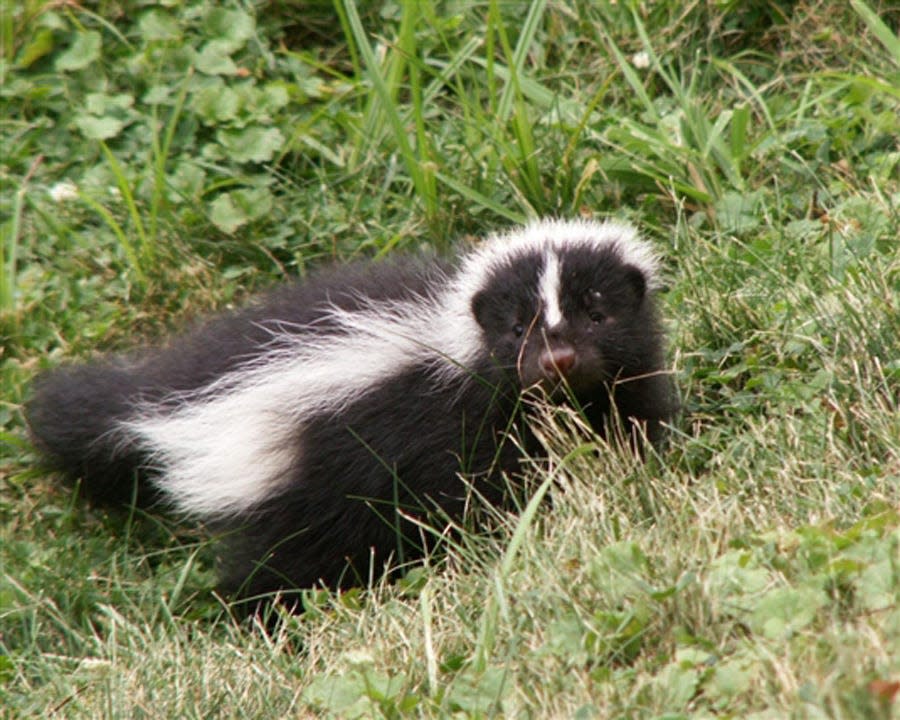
[[556, 362]]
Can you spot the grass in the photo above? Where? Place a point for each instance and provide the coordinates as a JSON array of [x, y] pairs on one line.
[[752, 569]]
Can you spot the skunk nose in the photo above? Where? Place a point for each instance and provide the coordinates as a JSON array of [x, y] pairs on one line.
[[557, 361]]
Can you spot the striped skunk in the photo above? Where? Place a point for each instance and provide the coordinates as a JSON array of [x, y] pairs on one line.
[[320, 427]]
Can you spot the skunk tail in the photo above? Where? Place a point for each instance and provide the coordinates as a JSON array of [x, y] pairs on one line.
[[73, 419]]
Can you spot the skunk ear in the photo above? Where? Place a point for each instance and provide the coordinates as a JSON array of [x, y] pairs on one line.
[[635, 283], [481, 307]]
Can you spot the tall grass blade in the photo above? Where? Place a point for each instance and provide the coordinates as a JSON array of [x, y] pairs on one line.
[[144, 252], [161, 155], [10, 233], [489, 619], [516, 58], [481, 200], [131, 253], [384, 96], [878, 28]]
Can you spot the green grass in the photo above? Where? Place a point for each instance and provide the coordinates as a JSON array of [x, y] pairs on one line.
[[752, 569]]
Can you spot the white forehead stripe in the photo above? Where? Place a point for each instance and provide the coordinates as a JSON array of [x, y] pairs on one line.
[[547, 237], [549, 289]]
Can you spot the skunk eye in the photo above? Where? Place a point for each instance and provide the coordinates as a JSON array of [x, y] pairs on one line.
[[518, 329], [591, 299]]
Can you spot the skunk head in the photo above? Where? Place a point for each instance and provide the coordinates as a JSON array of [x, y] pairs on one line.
[[567, 305]]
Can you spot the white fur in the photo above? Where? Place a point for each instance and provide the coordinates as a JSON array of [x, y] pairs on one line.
[[550, 287], [224, 449]]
